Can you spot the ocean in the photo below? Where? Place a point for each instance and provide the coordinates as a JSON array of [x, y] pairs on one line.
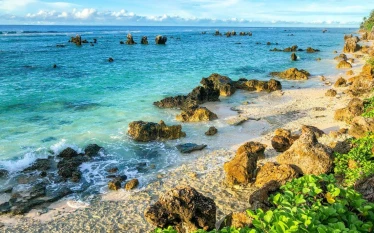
[[87, 99]]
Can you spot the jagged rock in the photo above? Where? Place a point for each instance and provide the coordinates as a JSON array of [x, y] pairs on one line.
[[77, 40], [222, 83], [211, 131], [355, 108], [292, 74], [351, 46], [217, 33], [144, 40], [259, 199], [189, 147], [112, 170], [364, 82], [344, 65], [341, 147], [179, 101], [69, 168], [311, 50], [256, 85], [196, 115], [240, 170], [282, 140], [92, 150], [228, 34], [132, 184], [331, 93], [161, 39], [67, 153], [366, 188], [271, 171], [40, 165], [348, 36], [236, 220], [183, 208], [307, 155], [317, 132], [3, 173], [149, 131], [341, 82], [361, 126], [291, 49], [110, 59], [130, 39], [293, 57], [233, 33], [114, 184]]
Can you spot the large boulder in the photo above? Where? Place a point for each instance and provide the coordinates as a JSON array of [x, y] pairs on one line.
[[196, 115], [311, 50], [68, 168], [366, 188], [76, 40], [130, 39], [161, 39], [344, 65], [282, 140], [149, 131], [364, 82], [222, 83], [341, 82], [307, 155], [67, 153], [355, 108], [144, 40], [272, 171], [361, 126], [183, 208], [241, 169], [259, 199], [351, 46], [293, 57], [292, 74], [256, 85]]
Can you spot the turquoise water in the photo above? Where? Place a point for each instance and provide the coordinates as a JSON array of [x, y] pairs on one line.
[[86, 99]]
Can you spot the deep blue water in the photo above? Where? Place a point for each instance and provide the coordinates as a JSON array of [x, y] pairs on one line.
[[86, 99]]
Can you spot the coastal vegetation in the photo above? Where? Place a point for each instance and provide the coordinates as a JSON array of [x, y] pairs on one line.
[[368, 22]]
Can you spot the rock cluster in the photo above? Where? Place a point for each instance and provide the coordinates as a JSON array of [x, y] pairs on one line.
[[148, 131]]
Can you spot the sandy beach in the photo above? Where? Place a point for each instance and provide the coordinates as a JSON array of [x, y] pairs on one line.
[[122, 211]]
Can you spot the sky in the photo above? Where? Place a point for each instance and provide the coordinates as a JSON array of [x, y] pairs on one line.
[[319, 13]]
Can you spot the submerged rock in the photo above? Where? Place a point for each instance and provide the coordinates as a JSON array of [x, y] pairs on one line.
[[149, 131], [161, 39], [92, 150], [190, 147], [292, 74], [196, 115], [307, 155], [355, 108], [183, 208], [274, 172], [40, 165], [311, 50], [211, 131], [130, 39], [3, 173], [240, 170]]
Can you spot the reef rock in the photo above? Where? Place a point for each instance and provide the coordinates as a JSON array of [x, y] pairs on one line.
[[293, 57], [256, 85], [355, 108], [149, 131], [237, 220], [144, 40], [222, 83], [344, 65], [341, 82], [132, 184], [271, 171], [211, 131], [161, 39], [189, 147], [282, 140], [331, 93], [366, 188], [351, 46], [361, 126], [130, 39], [307, 155], [240, 170], [92, 150], [292, 74], [76, 40], [196, 115], [311, 50], [259, 199], [183, 208]]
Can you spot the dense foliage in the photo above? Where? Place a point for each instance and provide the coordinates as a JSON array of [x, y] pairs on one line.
[[369, 108], [310, 204], [368, 22]]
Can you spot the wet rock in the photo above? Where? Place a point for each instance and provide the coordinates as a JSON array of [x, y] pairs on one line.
[[240, 170], [121, 42], [259, 199], [196, 115], [113, 170], [40, 165], [236, 220], [282, 140], [341, 82], [69, 167], [3, 173], [366, 187], [292, 74], [179, 101], [54, 66], [149, 131], [307, 155], [291, 49], [256, 85], [183, 208], [361, 126], [76, 40], [217, 33], [344, 65], [144, 40], [355, 108], [211, 131], [274, 172], [311, 50], [110, 59], [222, 83], [132, 184], [351, 46], [67, 153], [92, 150], [331, 93], [130, 39], [189, 147], [293, 57], [114, 184], [161, 39]]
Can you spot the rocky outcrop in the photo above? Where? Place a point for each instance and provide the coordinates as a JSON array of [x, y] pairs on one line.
[[132, 184], [317, 132], [161, 39], [257, 85], [341, 82], [307, 155], [211, 131], [311, 50], [274, 172], [196, 115], [355, 108], [293, 57], [366, 188], [222, 83], [183, 208], [76, 40], [331, 93], [351, 45], [259, 199], [292, 74], [364, 82], [240, 170], [144, 40], [361, 126], [187, 148], [344, 65], [148, 131], [283, 140], [291, 49], [130, 39]]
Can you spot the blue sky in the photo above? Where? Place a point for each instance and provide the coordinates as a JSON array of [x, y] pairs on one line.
[[324, 13]]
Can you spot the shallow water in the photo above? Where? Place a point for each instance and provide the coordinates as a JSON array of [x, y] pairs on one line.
[[86, 99]]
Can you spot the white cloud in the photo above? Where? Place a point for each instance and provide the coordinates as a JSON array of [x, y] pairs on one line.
[[85, 13]]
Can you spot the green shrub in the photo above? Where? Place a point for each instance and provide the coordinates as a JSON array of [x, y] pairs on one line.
[[358, 163], [368, 22], [369, 107]]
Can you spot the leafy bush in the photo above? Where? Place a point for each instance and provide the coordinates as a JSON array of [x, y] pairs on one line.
[[310, 204], [369, 107], [358, 163]]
